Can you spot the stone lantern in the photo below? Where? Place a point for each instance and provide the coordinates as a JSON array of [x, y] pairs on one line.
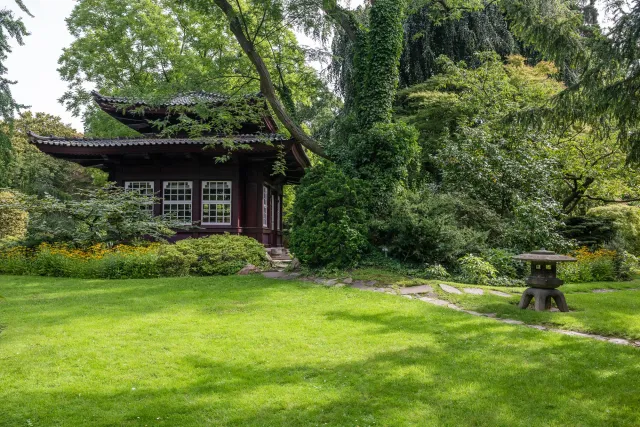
[[543, 281]]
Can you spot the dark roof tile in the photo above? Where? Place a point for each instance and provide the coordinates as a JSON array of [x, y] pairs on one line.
[[128, 142], [183, 99]]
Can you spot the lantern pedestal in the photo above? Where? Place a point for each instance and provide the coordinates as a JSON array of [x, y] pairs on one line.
[[543, 299], [543, 280]]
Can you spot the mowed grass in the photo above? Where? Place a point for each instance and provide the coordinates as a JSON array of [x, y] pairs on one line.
[[251, 351], [612, 314]]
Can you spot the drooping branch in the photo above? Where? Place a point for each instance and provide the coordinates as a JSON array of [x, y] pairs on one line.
[[266, 82]]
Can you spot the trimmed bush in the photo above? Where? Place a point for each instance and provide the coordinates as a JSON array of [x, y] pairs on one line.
[[329, 220], [13, 221], [215, 255]]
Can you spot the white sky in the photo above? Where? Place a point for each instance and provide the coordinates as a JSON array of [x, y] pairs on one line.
[[35, 64]]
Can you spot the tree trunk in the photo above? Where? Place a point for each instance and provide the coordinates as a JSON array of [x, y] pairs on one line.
[[266, 83]]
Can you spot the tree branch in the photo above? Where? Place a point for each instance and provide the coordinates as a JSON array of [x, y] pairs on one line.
[[601, 199], [266, 83], [342, 17]]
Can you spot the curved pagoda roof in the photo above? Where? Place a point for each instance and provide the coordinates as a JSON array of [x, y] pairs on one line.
[[183, 99], [138, 113], [104, 153]]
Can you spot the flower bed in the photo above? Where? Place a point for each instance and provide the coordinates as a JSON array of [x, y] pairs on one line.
[[215, 255]]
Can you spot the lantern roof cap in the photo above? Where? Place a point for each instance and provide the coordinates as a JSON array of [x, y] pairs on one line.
[[544, 256]]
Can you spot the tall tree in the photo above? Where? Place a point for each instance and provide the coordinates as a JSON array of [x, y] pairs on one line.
[[11, 28], [607, 92], [33, 172], [155, 48]]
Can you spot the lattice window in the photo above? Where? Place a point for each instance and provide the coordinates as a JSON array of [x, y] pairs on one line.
[[216, 202], [177, 196], [145, 188], [265, 207]]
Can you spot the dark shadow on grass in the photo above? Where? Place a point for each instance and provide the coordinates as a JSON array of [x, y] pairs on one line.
[[458, 390]]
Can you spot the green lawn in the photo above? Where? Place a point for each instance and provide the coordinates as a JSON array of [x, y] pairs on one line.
[[610, 314], [251, 351]]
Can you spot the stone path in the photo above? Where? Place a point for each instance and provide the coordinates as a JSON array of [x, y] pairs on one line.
[[412, 290], [426, 294], [500, 294], [450, 289], [612, 340]]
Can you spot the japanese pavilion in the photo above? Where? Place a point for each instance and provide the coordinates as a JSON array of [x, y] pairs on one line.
[[239, 196]]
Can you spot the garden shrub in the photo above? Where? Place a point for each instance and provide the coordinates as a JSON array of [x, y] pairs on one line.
[[476, 270], [13, 221], [214, 255], [626, 265], [596, 266], [436, 271], [626, 221], [505, 264], [428, 228], [108, 215], [329, 219], [589, 231]]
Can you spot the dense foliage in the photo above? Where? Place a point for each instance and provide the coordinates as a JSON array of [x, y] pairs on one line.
[[108, 215], [329, 218], [171, 48], [458, 163], [33, 172], [13, 221], [626, 223]]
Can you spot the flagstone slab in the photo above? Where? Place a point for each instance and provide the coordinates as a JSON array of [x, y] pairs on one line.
[[435, 301], [424, 289], [358, 284], [511, 321], [275, 275], [473, 291], [500, 294], [450, 289]]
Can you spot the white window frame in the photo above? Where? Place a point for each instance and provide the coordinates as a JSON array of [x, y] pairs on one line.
[[217, 202], [265, 206], [166, 203], [273, 211], [148, 205]]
